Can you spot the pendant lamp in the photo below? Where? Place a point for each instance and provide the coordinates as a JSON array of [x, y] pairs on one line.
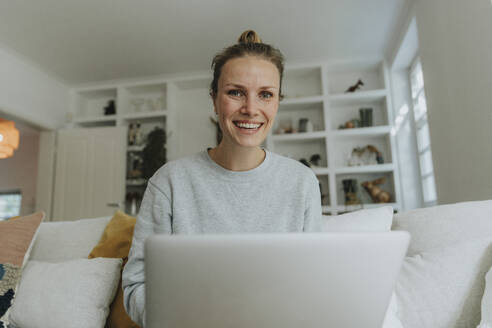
[[9, 138]]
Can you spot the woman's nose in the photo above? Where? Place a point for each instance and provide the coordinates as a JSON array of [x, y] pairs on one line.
[[250, 105]]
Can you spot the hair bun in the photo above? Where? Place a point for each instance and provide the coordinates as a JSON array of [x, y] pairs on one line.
[[249, 36]]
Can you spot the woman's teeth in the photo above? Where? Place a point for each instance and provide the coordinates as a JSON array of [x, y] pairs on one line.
[[247, 125]]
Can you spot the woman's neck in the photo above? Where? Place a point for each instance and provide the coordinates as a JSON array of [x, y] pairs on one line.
[[237, 158]]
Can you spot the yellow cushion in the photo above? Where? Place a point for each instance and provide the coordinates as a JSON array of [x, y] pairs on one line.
[[115, 243]]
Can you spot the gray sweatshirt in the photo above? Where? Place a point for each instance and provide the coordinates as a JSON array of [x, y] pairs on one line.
[[195, 195]]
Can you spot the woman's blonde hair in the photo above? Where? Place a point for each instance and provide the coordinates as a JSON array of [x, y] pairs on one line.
[[248, 44]]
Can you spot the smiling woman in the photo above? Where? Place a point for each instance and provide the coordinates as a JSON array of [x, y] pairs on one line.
[[236, 187], [246, 90]]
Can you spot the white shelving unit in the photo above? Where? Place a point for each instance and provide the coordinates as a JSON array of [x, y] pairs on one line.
[[314, 91], [142, 102], [321, 98]]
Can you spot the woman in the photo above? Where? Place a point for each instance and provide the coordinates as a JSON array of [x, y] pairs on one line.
[[236, 187]]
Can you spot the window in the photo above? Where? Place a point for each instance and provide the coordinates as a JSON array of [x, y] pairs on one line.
[[10, 204], [422, 132]]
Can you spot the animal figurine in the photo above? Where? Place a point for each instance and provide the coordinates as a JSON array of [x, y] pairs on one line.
[[377, 194], [110, 109], [355, 158], [354, 87], [314, 160], [368, 155], [374, 150]]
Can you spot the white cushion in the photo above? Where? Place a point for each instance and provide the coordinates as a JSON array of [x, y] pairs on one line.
[[370, 220], [391, 319], [443, 287], [444, 225], [72, 294], [67, 240], [486, 321]]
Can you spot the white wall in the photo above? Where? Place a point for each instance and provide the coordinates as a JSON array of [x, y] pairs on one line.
[[455, 39], [30, 94], [20, 172], [195, 130]]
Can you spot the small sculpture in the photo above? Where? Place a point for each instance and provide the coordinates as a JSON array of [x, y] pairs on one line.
[[353, 123], [365, 117], [356, 157], [285, 126], [377, 194], [350, 190], [137, 104], [354, 87], [368, 155], [131, 134], [139, 139], [314, 160], [374, 150], [135, 166], [110, 109], [305, 125]]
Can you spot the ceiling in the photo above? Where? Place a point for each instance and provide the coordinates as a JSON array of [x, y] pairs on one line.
[[94, 40]]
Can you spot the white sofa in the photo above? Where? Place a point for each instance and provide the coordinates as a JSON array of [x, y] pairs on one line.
[[441, 283]]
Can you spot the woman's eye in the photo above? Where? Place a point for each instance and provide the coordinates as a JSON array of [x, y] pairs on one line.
[[235, 93], [266, 95]]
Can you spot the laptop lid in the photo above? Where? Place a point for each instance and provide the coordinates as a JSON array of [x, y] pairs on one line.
[[271, 280]]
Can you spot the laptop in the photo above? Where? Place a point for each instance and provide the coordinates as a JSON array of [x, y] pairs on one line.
[[271, 280]]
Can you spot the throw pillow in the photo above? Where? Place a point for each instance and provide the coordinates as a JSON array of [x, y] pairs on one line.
[[16, 239], [67, 240], [445, 225], [486, 321], [71, 294], [443, 287], [370, 220], [116, 241]]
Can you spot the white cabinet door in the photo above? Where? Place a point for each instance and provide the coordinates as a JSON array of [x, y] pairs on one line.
[[90, 172]]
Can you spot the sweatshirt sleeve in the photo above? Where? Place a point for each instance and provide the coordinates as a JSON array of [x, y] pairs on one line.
[[312, 213], [154, 217]]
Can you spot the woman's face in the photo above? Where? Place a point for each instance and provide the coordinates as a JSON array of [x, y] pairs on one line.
[[247, 100]]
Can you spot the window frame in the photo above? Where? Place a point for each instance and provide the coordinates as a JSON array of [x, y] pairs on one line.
[[419, 124]]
